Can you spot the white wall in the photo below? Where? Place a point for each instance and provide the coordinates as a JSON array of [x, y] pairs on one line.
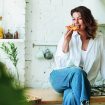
[[1, 7], [13, 13], [14, 16], [45, 24], [20, 68]]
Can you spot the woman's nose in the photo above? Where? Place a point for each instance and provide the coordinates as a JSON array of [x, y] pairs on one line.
[[76, 21]]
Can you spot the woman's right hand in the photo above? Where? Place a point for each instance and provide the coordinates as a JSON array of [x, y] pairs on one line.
[[68, 35], [67, 38]]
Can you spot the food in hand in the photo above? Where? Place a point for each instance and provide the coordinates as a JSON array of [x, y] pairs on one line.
[[72, 27]]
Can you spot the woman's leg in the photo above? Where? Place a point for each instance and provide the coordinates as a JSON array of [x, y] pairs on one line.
[[68, 97], [74, 79], [80, 86], [59, 79]]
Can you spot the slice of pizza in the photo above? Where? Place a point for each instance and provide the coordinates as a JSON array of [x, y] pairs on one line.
[[72, 27]]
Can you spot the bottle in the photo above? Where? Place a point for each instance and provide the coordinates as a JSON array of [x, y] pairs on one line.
[[1, 28], [16, 35], [8, 35]]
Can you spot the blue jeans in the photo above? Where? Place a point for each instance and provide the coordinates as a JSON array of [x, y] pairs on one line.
[[73, 83]]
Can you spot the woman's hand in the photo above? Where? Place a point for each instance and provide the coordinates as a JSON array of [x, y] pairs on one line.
[[68, 35], [67, 38]]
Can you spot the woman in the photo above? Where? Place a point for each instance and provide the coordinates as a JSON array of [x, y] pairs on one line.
[[79, 58]]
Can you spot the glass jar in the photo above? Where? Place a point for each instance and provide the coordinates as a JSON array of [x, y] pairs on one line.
[[1, 28]]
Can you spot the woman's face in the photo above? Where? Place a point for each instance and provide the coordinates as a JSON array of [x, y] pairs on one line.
[[77, 21]]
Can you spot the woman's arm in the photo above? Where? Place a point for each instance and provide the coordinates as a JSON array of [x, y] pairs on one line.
[[62, 52], [67, 38]]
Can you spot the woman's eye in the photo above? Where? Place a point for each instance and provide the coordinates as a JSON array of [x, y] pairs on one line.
[[79, 18], [73, 19]]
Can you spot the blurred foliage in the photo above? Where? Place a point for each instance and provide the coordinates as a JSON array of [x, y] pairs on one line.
[[10, 94], [11, 50]]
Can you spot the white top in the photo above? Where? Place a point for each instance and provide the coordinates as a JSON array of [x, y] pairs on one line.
[[95, 59], [83, 58]]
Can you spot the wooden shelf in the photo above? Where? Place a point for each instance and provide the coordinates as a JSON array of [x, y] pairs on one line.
[[12, 40], [49, 96]]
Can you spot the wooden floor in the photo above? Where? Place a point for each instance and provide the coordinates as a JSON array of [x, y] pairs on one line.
[[49, 96]]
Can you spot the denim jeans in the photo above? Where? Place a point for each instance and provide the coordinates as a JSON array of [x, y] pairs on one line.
[[73, 83]]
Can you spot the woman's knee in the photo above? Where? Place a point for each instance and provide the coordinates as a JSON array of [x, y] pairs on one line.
[[51, 78], [57, 87], [79, 71], [55, 83], [52, 75]]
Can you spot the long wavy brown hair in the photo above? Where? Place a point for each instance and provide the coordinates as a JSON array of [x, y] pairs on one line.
[[88, 19]]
